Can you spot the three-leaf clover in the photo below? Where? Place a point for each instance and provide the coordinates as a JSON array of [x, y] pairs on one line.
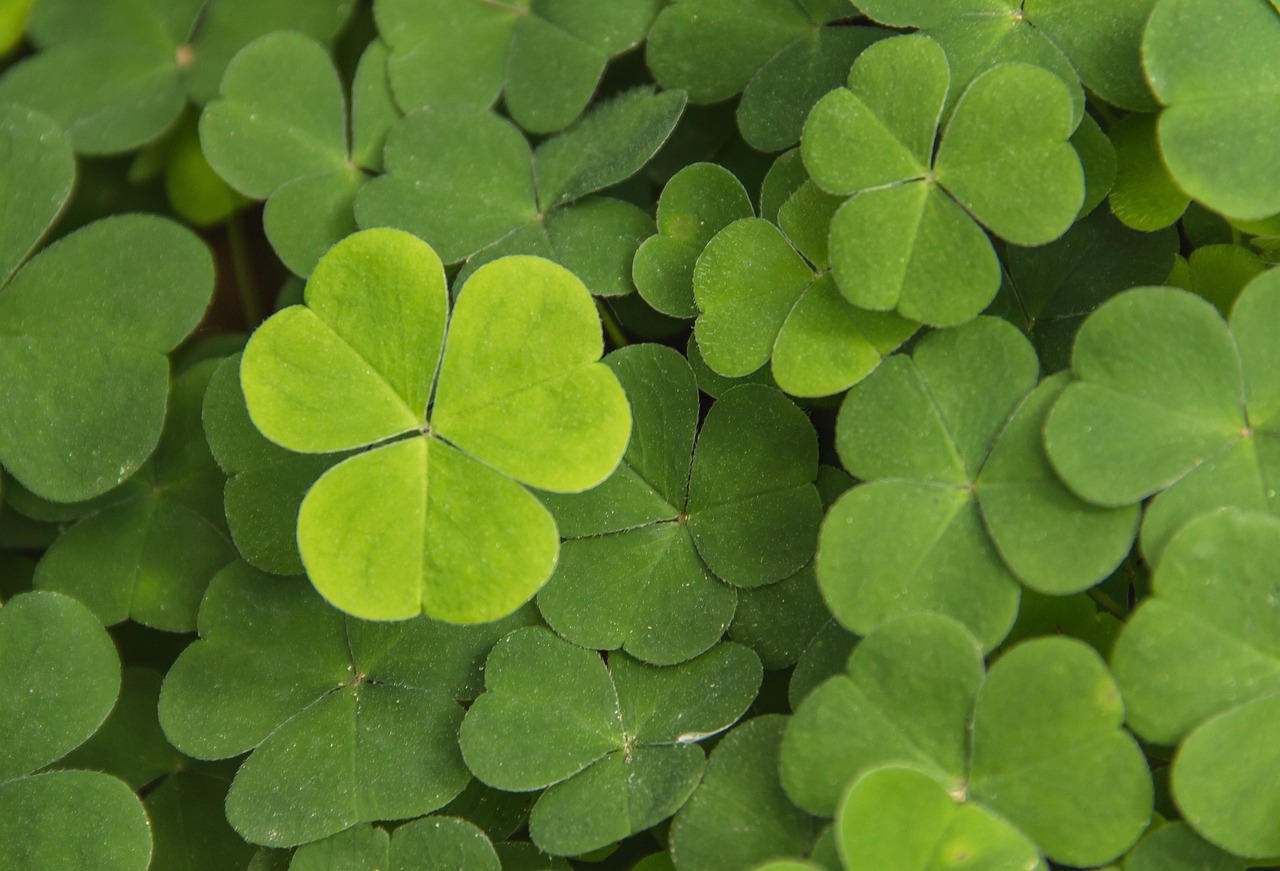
[[463, 179], [1216, 76], [958, 501], [347, 721], [279, 129], [544, 57], [1199, 664], [909, 237], [117, 73], [1173, 400], [59, 677], [434, 516], [765, 295], [652, 556], [615, 743], [1036, 739]]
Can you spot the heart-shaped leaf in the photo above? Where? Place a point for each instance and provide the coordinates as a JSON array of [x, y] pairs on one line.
[[37, 170], [89, 321], [436, 843]]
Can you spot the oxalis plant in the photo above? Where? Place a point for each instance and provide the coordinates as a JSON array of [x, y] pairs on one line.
[[713, 435]]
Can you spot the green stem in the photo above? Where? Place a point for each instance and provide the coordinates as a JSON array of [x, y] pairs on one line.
[[243, 272], [612, 328], [1108, 604]]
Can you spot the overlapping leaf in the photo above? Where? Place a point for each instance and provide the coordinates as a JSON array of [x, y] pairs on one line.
[[1199, 664], [1099, 44], [765, 295], [1172, 400], [908, 239], [437, 843], [150, 553], [653, 555], [266, 483], [959, 502], [436, 519], [544, 57], [1216, 76], [279, 131], [782, 55], [352, 721], [59, 677], [616, 744], [465, 180], [1037, 740], [84, 330], [37, 170]]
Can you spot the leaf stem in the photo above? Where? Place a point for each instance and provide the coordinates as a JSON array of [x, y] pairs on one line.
[[243, 273], [612, 328], [1108, 604]]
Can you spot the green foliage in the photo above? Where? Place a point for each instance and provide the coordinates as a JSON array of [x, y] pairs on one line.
[[655, 435]]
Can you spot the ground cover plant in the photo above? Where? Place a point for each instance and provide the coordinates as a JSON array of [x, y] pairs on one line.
[[713, 435]]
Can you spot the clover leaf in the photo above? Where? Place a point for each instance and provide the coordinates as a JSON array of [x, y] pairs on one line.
[[84, 330], [1199, 663], [739, 814], [1058, 285], [1186, 407], [958, 502], [464, 179], [616, 743], [266, 483], [38, 170], [907, 239], [1145, 196], [1219, 273], [697, 202], [545, 57], [279, 131], [765, 295], [782, 55], [1176, 847], [678, 534], [519, 399], [353, 721], [117, 74], [1037, 740], [59, 677], [436, 843], [1099, 44], [1215, 75], [149, 554]]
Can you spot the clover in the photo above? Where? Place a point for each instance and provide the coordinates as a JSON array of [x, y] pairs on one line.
[[544, 58], [435, 843], [908, 237], [1101, 45], [353, 721], [117, 74], [615, 745], [1032, 748], [88, 321], [790, 55], [1182, 408], [1215, 76], [764, 294], [434, 517], [959, 505], [466, 181], [279, 130], [652, 557], [59, 677], [147, 550], [1199, 664]]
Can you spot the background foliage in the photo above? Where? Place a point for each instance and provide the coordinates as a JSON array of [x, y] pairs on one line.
[[694, 434]]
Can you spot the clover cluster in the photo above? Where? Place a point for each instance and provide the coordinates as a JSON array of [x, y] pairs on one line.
[[790, 435]]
